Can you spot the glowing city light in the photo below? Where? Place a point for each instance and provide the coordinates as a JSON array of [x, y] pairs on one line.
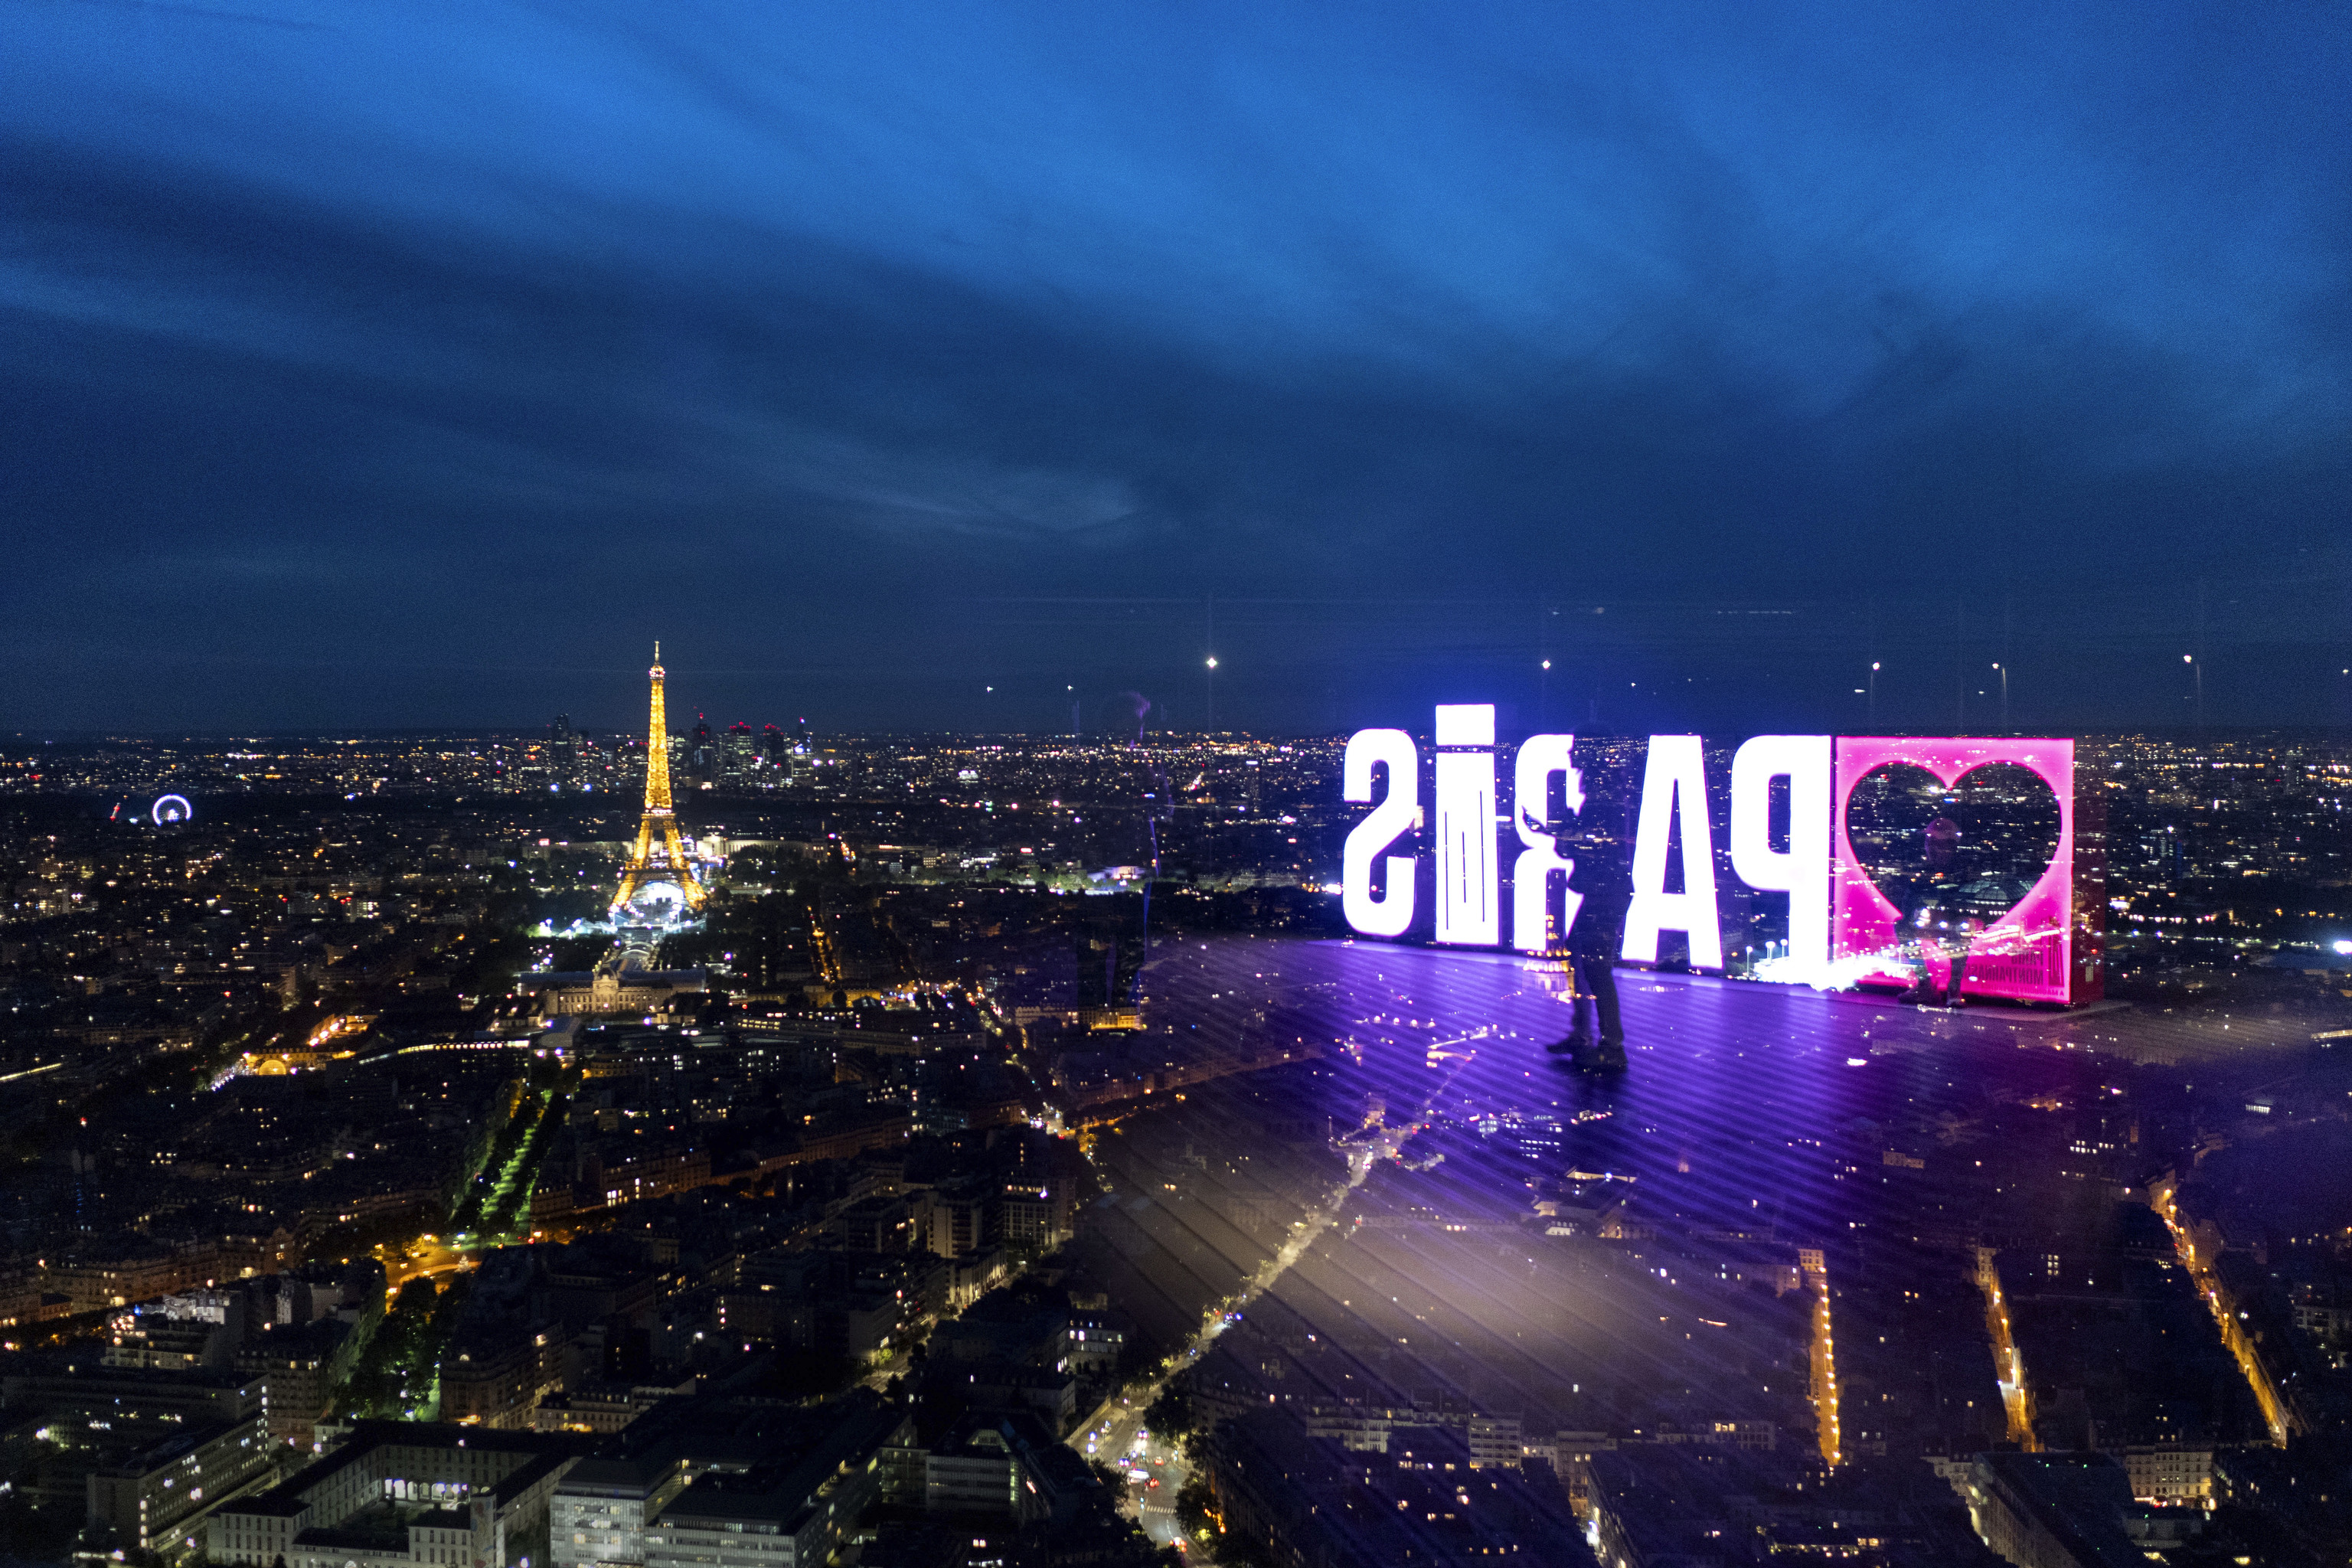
[[658, 860]]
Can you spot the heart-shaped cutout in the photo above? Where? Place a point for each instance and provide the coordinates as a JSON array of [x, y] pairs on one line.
[[1975, 847]]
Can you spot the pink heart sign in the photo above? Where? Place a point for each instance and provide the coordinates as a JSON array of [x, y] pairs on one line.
[[1935, 836]]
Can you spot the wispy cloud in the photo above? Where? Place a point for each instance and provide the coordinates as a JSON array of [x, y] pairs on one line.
[[1204, 299]]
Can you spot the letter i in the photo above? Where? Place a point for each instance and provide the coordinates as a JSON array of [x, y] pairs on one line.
[[1468, 881]]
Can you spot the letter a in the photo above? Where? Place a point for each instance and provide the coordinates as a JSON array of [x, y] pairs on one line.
[[1674, 785]]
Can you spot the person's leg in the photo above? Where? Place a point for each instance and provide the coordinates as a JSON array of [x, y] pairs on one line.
[[1914, 952], [1579, 1038], [1604, 1001], [1956, 948]]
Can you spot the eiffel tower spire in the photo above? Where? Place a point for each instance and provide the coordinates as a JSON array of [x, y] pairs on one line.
[[659, 855]]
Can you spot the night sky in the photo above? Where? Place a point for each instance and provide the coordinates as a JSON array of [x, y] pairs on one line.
[[387, 364]]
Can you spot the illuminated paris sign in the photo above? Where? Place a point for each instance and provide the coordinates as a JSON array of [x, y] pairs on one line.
[[1817, 859]]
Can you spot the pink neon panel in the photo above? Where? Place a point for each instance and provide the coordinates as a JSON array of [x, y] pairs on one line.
[[2026, 955]]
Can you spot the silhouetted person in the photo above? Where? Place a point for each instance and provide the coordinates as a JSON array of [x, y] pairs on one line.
[[1600, 842]]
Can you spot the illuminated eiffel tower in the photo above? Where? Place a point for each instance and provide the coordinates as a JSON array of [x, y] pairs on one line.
[[660, 855]]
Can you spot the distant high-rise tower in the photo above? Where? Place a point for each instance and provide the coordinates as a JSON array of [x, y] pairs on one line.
[[667, 864]]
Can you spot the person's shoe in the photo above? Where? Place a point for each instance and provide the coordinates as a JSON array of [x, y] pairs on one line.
[[1610, 1057], [1577, 1046]]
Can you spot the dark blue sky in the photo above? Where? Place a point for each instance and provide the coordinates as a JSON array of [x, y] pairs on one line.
[[378, 364]]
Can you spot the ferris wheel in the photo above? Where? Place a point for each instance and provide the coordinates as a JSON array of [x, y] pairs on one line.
[[170, 809]]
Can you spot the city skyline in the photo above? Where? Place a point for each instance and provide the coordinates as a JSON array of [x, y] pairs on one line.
[[993, 1125]]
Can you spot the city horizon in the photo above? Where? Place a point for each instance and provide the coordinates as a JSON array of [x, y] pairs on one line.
[[1653, 666]]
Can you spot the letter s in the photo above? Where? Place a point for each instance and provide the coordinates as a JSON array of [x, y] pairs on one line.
[[1369, 749]]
